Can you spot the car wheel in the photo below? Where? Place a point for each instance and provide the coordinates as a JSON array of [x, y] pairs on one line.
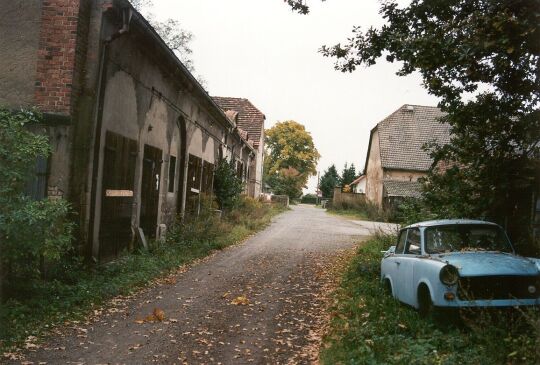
[[425, 305]]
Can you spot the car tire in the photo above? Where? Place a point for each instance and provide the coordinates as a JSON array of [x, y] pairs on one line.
[[425, 304]]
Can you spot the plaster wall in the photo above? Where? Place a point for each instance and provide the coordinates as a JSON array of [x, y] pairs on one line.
[[403, 175], [374, 172]]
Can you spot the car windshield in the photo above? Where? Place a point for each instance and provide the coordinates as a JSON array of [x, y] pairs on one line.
[[466, 237]]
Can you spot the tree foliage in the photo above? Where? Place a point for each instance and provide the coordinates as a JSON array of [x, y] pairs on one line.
[[177, 38], [348, 175], [227, 186], [329, 180], [291, 158], [482, 59], [30, 231]]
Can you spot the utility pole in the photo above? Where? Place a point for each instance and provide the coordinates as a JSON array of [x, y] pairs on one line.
[[318, 187]]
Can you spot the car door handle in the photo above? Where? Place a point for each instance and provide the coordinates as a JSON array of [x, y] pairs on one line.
[[398, 263]]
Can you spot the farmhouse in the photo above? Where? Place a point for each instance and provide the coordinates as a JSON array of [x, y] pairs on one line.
[[396, 159], [134, 136], [251, 120]]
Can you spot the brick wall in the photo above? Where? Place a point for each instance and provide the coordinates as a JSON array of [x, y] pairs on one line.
[[57, 54]]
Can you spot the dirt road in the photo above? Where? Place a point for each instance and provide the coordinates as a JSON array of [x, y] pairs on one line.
[[256, 303]]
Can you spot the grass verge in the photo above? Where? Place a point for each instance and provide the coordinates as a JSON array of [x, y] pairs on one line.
[[39, 307], [369, 327]]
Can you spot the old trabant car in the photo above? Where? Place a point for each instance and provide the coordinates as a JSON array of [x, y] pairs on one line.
[[459, 263]]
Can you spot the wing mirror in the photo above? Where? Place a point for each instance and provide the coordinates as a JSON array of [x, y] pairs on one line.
[[390, 251]]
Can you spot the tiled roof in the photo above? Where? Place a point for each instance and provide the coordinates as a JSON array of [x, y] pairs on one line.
[[249, 118], [411, 189], [404, 132]]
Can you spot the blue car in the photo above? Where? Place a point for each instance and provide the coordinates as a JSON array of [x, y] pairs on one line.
[[459, 263]]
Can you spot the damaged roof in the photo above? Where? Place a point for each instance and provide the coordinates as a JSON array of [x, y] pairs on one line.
[[403, 134], [248, 117]]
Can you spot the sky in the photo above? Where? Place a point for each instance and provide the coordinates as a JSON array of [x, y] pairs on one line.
[[262, 51]]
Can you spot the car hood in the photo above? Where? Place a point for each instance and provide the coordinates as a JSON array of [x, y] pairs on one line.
[[490, 263]]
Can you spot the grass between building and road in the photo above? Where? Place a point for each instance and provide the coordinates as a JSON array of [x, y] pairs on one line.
[[368, 326], [36, 309]]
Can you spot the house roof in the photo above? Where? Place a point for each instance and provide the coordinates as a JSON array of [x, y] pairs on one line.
[[403, 133], [410, 189], [248, 117]]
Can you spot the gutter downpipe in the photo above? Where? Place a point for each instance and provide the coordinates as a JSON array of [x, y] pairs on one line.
[[93, 251]]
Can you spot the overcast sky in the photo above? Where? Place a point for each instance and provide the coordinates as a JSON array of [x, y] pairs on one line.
[[262, 51]]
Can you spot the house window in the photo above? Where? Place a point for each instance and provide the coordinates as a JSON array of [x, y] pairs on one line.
[[239, 169], [172, 173], [193, 184]]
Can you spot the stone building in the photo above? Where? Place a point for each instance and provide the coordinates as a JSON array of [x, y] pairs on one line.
[[396, 159], [134, 136], [251, 120]]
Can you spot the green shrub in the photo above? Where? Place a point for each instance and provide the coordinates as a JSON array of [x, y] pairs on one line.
[[227, 186], [35, 236]]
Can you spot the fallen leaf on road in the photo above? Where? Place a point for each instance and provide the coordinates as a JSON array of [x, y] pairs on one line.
[[241, 300]]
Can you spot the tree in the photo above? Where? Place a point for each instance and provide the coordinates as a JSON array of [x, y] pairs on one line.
[[227, 186], [482, 59], [348, 175], [291, 158], [329, 180], [177, 38]]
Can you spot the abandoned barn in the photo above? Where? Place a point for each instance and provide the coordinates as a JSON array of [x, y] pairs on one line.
[[134, 135]]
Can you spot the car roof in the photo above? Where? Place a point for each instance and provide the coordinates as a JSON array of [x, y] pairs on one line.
[[444, 222]]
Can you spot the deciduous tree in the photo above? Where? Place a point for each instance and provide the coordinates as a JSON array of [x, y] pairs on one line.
[[291, 158]]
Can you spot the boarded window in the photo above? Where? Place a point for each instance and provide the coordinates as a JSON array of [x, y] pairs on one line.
[[193, 184], [36, 188], [207, 177], [172, 173]]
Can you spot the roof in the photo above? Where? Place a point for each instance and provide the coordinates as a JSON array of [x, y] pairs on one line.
[[357, 180], [403, 134], [411, 189], [443, 222], [248, 117]]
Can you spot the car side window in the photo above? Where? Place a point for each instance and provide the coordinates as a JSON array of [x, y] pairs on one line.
[[413, 242], [401, 241]]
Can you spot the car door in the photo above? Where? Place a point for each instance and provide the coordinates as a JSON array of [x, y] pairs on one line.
[[391, 263], [407, 292]]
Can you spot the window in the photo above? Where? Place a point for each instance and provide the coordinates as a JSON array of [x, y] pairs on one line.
[[172, 173], [413, 242], [401, 241]]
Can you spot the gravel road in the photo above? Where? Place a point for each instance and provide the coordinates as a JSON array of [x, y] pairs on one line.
[[261, 302]]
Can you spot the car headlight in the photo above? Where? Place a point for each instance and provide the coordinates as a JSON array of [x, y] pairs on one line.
[[449, 275]]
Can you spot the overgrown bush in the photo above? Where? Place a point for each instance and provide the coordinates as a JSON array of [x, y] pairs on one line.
[[309, 199], [34, 235], [227, 186], [362, 208]]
